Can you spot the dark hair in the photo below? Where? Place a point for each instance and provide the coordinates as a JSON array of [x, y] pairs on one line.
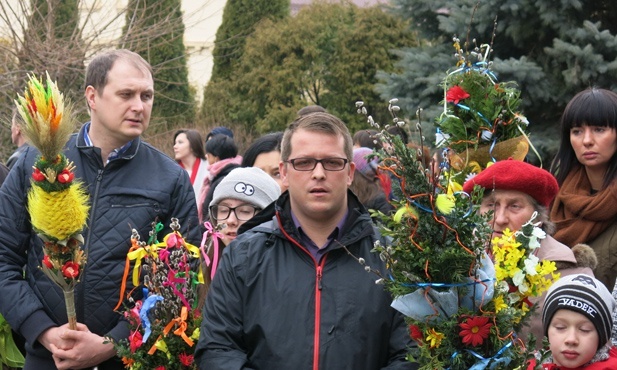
[[367, 139], [194, 138], [220, 130], [400, 132], [310, 109], [222, 146], [321, 122], [590, 107], [265, 144], [98, 69]]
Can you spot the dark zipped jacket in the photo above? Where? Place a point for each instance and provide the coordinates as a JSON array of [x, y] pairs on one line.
[[142, 185], [272, 306]]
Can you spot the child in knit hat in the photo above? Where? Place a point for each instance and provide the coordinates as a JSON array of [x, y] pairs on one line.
[[577, 319], [239, 196]]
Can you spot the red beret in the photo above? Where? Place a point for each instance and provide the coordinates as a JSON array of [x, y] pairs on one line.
[[516, 175]]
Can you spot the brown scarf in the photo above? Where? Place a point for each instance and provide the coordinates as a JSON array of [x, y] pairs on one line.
[[579, 216]]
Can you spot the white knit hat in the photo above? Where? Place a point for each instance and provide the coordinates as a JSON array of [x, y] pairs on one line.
[[248, 184], [585, 295]]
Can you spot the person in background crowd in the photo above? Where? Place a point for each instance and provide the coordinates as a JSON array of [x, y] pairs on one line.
[[585, 209], [190, 155], [17, 138], [303, 251], [577, 321], [515, 191], [130, 185], [220, 130], [265, 153], [222, 155], [366, 184], [367, 139]]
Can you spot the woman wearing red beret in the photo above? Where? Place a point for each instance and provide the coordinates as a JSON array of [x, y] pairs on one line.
[[513, 191], [585, 209]]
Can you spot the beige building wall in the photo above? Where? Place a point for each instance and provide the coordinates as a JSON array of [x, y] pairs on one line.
[[102, 22]]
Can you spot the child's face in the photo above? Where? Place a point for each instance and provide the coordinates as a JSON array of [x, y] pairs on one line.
[[573, 339]]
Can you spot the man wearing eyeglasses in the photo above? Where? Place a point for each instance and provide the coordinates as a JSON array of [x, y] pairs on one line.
[[291, 293]]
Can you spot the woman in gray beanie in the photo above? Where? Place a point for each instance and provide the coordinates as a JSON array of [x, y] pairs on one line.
[[238, 197]]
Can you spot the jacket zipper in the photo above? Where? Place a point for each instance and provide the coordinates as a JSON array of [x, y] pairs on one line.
[[82, 292], [318, 275]]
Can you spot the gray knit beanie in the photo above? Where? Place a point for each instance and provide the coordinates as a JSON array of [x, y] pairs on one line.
[[248, 184], [585, 295]]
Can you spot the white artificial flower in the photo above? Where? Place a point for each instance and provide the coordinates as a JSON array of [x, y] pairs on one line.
[[523, 287], [518, 278], [502, 287], [530, 265]]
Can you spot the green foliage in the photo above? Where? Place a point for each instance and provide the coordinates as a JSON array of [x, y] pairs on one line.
[[173, 102], [53, 26], [551, 49], [239, 20], [327, 54]]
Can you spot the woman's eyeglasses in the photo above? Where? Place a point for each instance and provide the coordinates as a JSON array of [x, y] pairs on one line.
[[243, 213]]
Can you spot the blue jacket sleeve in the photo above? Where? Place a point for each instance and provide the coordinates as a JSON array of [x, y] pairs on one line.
[[19, 305]]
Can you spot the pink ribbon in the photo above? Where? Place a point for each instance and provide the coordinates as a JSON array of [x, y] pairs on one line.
[[215, 244], [172, 280]]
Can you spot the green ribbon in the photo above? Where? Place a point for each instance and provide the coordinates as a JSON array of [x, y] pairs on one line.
[[9, 353]]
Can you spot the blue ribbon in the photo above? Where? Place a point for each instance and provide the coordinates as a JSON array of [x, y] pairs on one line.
[[484, 362], [442, 285], [472, 111], [143, 314]]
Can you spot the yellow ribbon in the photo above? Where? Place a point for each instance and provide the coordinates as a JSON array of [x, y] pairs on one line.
[[139, 254], [159, 345]]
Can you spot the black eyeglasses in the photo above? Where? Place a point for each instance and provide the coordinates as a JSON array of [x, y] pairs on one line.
[[309, 164], [243, 213]]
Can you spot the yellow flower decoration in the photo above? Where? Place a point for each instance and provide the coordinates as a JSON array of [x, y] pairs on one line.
[[499, 303], [434, 338]]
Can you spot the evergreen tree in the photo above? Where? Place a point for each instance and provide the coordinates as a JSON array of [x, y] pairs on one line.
[[239, 20], [164, 49], [551, 49], [327, 54], [52, 43]]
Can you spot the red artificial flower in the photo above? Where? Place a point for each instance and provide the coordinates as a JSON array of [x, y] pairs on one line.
[[160, 367], [70, 270], [37, 175], [186, 360], [456, 94], [65, 176], [416, 333], [475, 330], [135, 341], [47, 262]]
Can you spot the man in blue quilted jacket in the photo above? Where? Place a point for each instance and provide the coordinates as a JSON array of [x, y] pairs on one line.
[[130, 185]]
